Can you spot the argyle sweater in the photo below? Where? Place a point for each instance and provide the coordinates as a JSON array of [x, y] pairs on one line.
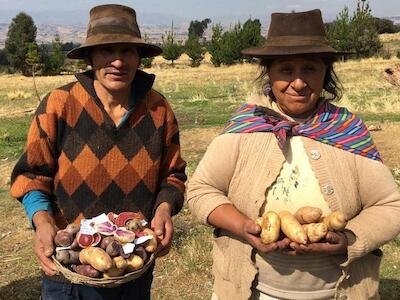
[[87, 165]]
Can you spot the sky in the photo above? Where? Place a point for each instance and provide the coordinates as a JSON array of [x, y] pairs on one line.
[[159, 12]]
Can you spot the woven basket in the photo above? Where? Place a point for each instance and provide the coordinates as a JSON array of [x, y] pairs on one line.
[[102, 282]]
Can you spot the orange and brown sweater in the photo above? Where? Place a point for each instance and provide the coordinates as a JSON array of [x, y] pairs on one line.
[[87, 165]]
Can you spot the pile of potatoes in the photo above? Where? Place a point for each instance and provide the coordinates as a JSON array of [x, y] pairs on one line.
[[306, 225], [103, 253]]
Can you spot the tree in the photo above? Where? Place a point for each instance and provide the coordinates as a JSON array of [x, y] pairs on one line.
[[21, 32], [3, 58], [340, 32], [250, 35], [225, 47], [215, 46], [32, 59], [357, 34], [57, 57], [146, 61], [171, 50], [385, 26], [194, 50], [365, 36], [197, 28]]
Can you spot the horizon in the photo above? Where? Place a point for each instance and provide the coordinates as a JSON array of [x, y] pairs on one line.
[[158, 12]]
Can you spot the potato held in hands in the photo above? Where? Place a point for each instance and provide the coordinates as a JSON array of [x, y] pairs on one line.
[[308, 214], [292, 228], [315, 231], [270, 227], [336, 221]]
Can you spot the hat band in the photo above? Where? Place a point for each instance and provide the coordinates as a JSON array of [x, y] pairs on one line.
[[112, 29], [296, 40]]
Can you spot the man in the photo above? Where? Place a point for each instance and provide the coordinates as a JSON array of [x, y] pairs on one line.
[[107, 142]]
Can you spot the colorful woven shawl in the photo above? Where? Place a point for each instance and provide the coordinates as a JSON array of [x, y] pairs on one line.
[[332, 125]]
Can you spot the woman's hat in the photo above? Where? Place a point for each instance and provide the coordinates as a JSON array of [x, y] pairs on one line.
[[113, 24], [294, 34]]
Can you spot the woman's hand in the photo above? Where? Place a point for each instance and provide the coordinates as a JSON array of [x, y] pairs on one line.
[[251, 233], [335, 243]]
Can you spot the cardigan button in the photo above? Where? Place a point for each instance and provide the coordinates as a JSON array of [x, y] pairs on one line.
[[315, 154], [327, 189]]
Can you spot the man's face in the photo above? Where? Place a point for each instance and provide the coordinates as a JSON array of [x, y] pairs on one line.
[[115, 66]]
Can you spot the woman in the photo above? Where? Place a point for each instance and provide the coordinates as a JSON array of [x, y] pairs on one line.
[[293, 148]]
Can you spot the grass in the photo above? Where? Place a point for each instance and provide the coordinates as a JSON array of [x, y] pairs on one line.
[[13, 136], [203, 99]]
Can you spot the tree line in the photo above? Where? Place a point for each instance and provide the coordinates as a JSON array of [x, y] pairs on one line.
[[357, 33]]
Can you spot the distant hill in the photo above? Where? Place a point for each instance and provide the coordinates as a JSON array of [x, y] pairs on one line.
[[77, 33]]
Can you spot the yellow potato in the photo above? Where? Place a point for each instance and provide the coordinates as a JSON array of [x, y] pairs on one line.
[[270, 227], [315, 231], [336, 221], [308, 214], [97, 258], [292, 228]]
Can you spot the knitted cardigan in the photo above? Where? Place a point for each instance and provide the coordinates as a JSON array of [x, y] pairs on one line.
[[239, 168], [87, 165]]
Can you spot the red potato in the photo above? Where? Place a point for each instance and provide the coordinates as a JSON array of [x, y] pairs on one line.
[[87, 270]]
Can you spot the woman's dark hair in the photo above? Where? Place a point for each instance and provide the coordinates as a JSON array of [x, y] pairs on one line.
[[332, 87]]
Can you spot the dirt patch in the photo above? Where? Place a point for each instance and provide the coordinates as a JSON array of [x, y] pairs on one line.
[[388, 142]]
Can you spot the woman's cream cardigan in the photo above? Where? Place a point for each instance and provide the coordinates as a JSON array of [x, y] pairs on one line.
[[238, 169]]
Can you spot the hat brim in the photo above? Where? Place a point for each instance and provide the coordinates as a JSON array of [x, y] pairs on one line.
[[280, 51], [144, 49]]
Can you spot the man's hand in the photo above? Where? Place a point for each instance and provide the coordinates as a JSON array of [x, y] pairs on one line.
[[335, 243], [163, 228], [44, 237]]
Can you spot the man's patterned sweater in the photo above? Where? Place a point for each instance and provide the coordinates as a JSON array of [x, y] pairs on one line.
[[87, 165]]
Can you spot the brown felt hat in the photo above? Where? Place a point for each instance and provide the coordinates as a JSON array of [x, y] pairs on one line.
[[295, 34], [113, 24]]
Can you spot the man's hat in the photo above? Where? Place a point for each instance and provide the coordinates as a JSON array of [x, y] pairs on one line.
[[113, 24], [295, 34]]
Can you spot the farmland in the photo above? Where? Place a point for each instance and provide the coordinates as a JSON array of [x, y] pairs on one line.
[[203, 98]]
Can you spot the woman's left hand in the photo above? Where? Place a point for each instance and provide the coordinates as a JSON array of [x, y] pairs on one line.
[[335, 243]]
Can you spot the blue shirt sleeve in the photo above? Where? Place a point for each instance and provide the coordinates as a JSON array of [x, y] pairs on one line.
[[35, 201]]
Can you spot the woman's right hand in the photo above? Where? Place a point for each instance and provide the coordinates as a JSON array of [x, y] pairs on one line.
[[44, 241]]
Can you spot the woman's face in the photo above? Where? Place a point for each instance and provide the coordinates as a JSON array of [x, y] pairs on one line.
[[297, 84]]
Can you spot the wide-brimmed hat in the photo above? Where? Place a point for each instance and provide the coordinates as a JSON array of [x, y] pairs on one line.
[[295, 34], [113, 24]]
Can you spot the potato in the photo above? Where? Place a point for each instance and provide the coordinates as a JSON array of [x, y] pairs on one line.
[[135, 262], [336, 221], [87, 270], [292, 228], [97, 258], [64, 238], [308, 214], [150, 245], [315, 231], [118, 268], [270, 227]]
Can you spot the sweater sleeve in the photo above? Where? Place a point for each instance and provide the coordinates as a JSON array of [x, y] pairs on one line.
[[378, 221], [172, 172], [208, 188], [36, 167]]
